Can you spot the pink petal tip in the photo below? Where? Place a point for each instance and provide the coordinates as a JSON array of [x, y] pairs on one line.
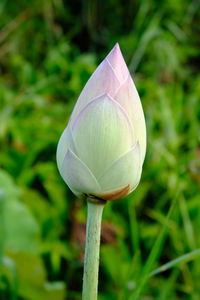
[[116, 60]]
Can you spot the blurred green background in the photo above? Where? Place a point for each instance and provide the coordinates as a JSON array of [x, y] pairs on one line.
[[48, 50]]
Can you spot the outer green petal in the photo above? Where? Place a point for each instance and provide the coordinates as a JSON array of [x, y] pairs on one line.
[[77, 175], [127, 96], [125, 171], [65, 143], [102, 133]]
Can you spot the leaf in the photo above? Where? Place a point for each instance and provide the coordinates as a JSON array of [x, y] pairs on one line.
[[19, 227], [32, 278]]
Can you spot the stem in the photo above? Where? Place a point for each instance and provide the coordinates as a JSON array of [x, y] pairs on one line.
[[91, 260]]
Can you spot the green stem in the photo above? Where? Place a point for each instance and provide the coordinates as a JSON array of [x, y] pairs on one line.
[[91, 260]]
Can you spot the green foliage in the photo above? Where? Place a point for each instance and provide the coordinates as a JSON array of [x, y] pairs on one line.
[[150, 240]]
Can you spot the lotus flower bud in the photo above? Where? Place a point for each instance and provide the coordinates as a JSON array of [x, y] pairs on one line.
[[102, 149]]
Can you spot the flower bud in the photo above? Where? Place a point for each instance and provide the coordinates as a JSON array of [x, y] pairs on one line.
[[102, 149]]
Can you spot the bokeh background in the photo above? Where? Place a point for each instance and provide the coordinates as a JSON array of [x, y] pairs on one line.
[[48, 50]]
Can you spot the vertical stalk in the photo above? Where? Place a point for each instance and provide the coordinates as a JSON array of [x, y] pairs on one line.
[[91, 260]]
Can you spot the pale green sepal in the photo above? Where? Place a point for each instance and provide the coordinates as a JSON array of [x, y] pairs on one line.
[[66, 142], [77, 175], [125, 171], [102, 133]]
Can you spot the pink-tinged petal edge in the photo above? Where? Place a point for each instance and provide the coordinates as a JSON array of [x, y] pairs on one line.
[[102, 81], [116, 60], [106, 79], [128, 97]]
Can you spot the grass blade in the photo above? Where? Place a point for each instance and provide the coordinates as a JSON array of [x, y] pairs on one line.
[[152, 257], [183, 258]]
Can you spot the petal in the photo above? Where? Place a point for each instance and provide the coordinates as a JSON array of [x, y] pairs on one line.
[[77, 175], [117, 62], [123, 172], [127, 96], [65, 143], [102, 81], [102, 133], [116, 194]]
